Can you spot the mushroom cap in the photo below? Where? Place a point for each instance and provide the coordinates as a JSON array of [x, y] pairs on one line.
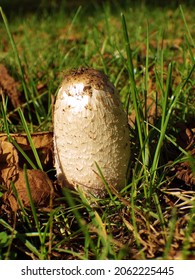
[[90, 126]]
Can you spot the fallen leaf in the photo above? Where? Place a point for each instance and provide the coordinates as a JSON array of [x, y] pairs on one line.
[[9, 162], [185, 139], [41, 189], [43, 142], [11, 171], [9, 86]]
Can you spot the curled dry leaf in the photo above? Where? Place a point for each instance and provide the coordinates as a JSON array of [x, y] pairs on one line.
[[40, 187], [183, 171], [11, 171], [43, 142], [186, 139], [186, 135], [9, 162]]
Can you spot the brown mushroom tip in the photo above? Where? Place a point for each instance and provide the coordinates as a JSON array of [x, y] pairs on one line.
[[89, 77]]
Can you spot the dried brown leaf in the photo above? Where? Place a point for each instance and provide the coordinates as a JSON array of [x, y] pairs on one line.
[[186, 139], [40, 187], [10, 170], [9, 86], [9, 162], [43, 142]]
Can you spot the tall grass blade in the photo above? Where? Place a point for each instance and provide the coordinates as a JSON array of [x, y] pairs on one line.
[[11, 139], [190, 228], [35, 216], [103, 248], [25, 126], [186, 26], [27, 158], [22, 238], [31, 201], [130, 69], [169, 239], [146, 127], [160, 214], [81, 222], [17, 58], [164, 122], [20, 203], [5, 121], [104, 181]]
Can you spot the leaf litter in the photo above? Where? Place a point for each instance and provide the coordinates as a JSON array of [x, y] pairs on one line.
[[12, 172]]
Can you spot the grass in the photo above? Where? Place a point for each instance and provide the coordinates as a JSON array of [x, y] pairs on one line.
[[153, 216]]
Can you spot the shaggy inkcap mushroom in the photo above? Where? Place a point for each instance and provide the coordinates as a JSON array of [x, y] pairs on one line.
[[90, 127]]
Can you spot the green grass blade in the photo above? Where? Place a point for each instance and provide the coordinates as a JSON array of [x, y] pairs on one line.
[[130, 69], [29, 161], [186, 26], [188, 232], [21, 237], [134, 221], [35, 216], [5, 121], [146, 127], [10, 138], [104, 181], [169, 239], [20, 204], [81, 222], [166, 95], [31, 201], [128, 52], [160, 214], [25, 126], [103, 249], [164, 122], [12, 42], [166, 114]]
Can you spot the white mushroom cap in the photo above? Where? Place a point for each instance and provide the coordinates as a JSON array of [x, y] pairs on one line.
[[90, 126]]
